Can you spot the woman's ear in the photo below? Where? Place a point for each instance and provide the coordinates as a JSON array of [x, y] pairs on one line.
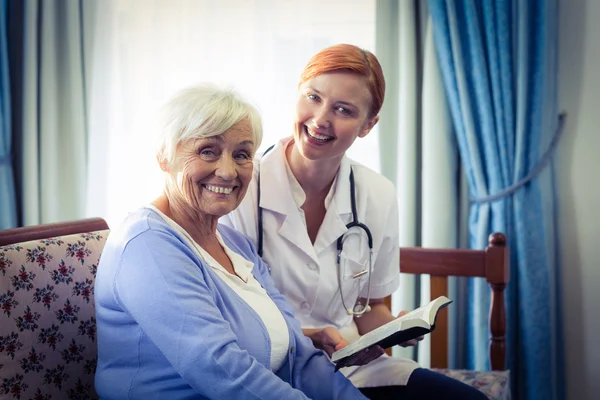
[[368, 126], [162, 162]]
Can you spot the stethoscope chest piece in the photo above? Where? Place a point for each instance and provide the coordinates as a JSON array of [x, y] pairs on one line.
[[358, 310]]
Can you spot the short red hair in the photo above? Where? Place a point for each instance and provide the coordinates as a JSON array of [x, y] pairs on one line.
[[349, 58]]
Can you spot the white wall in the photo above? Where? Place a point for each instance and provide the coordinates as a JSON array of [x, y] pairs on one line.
[[579, 193]]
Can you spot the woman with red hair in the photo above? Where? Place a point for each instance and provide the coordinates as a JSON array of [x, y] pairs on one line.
[[328, 226]]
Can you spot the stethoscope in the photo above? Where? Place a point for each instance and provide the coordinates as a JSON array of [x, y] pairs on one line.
[[359, 309]]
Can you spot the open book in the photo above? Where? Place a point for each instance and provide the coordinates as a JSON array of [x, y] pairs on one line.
[[411, 325]]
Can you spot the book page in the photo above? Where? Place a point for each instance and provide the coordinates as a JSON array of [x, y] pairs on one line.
[[435, 306], [419, 313], [429, 311], [380, 333]]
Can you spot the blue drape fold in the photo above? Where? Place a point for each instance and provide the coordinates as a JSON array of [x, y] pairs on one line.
[[8, 212], [498, 61]]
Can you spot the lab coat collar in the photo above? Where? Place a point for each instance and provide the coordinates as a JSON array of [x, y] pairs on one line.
[[341, 197], [276, 195], [339, 211]]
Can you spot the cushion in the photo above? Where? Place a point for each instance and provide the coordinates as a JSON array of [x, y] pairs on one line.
[[47, 317], [494, 384]]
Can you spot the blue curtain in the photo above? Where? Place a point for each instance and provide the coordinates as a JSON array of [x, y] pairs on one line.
[[8, 212], [498, 61]]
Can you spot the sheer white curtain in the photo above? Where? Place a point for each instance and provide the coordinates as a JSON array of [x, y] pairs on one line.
[[144, 50], [418, 150], [50, 143]]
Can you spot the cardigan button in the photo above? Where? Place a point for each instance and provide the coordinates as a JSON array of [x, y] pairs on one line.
[[292, 349]]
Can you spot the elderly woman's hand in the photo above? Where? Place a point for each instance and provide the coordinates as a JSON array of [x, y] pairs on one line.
[[327, 339], [330, 340]]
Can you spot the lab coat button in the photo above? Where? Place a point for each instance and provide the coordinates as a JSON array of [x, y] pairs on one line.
[[312, 266], [305, 306]]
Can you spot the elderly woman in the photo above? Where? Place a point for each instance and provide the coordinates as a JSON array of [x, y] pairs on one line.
[[185, 307]]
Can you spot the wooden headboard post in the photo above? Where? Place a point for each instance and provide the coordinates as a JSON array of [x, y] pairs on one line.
[[497, 274], [493, 264]]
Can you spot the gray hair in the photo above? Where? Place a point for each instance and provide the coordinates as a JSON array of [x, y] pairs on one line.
[[202, 111]]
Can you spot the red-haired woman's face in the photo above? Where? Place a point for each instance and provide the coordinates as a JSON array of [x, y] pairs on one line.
[[332, 110]]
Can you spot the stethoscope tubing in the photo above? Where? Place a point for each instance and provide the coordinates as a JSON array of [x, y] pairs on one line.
[[358, 309]]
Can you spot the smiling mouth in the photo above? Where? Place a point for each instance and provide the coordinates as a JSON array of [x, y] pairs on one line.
[[218, 189], [317, 136]]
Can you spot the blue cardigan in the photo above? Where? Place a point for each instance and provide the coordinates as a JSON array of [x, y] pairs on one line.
[[170, 328]]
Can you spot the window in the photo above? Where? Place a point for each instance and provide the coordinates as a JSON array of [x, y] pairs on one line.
[[143, 51]]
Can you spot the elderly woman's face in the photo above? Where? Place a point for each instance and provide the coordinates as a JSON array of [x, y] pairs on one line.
[[213, 173]]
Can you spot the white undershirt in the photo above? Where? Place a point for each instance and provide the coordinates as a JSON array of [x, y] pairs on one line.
[[248, 288]]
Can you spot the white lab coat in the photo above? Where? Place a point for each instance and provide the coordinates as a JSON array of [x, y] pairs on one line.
[[307, 274]]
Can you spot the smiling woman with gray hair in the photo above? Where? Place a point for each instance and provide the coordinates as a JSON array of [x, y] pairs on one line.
[[185, 307]]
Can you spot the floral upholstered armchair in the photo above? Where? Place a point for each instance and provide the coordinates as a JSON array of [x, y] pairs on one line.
[[47, 317]]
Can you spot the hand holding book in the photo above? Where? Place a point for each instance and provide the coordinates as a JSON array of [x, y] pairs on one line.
[[331, 340], [362, 357], [404, 328]]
